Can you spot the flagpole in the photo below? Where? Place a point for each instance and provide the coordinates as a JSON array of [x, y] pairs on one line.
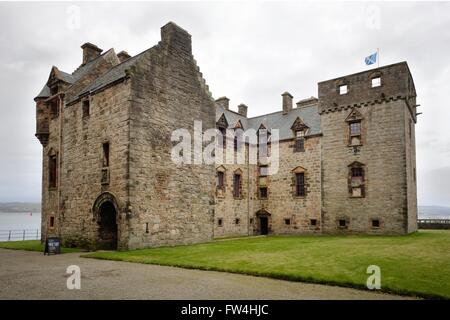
[[378, 56]]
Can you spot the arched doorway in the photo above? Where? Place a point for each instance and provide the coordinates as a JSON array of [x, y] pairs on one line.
[[263, 218], [108, 226], [105, 211]]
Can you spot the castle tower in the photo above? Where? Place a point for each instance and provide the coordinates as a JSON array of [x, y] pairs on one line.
[[368, 152]]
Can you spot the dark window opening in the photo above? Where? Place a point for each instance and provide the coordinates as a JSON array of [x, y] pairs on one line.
[[251, 220], [287, 221], [300, 184], [237, 221], [54, 108], [86, 107], [220, 180], [343, 89], [313, 222], [299, 145], [219, 222], [342, 223], [52, 171], [263, 192], [146, 227], [375, 223], [237, 185], [54, 90], [106, 154], [52, 222]]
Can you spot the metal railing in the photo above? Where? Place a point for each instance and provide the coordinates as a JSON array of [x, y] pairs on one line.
[[20, 235], [433, 223]]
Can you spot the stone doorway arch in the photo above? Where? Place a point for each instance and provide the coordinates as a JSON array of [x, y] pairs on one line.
[[106, 211], [263, 222]]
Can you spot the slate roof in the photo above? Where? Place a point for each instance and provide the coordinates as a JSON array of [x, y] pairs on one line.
[[277, 120]]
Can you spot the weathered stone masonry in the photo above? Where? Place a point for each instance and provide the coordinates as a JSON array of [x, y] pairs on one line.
[[347, 158]]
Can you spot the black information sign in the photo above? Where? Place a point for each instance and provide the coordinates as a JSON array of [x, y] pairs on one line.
[[52, 246]]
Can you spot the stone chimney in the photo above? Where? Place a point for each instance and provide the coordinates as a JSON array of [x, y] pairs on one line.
[[224, 102], [242, 109], [123, 56], [90, 52], [287, 102]]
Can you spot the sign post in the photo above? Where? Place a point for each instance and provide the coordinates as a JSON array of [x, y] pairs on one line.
[[52, 246]]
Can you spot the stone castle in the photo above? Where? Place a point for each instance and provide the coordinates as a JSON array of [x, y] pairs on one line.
[[346, 159]]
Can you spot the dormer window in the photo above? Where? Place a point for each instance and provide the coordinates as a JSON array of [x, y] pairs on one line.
[[299, 145], [354, 121], [343, 89]]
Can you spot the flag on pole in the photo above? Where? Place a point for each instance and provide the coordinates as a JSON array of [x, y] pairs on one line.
[[371, 59]]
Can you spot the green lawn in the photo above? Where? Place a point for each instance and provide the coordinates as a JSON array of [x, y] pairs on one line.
[[417, 264], [31, 245]]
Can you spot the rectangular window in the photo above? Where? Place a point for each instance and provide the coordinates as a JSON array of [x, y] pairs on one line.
[[220, 180], [342, 223], [52, 222], [355, 128], [237, 185], [146, 227], [263, 192], [219, 222], [343, 89], [376, 82], [263, 171], [223, 137], [54, 108], [287, 221], [375, 223], [106, 154], [52, 171], [313, 222], [299, 145], [86, 108], [300, 184], [237, 221]]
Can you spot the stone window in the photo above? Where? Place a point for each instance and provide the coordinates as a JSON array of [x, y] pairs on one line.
[[237, 221], [106, 154], [52, 171], [356, 180], [220, 180], [86, 108], [263, 192], [237, 185], [342, 223], [51, 222], [313, 222], [220, 222], [287, 222], [375, 223], [300, 184], [355, 133], [146, 227], [376, 82], [343, 89], [299, 145], [54, 108], [251, 220]]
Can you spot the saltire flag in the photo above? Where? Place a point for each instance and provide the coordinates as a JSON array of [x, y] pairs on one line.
[[371, 59]]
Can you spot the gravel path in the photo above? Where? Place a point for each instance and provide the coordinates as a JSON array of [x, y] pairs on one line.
[[31, 275]]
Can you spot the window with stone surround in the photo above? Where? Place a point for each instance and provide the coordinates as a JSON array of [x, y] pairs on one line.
[[237, 184], [342, 223], [86, 108], [356, 180], [52, 171], [299, 145], [299, 182], [376, 82], [220, 180], [220, 222], [53, 106], [106, 154], [237, 221], [354, 121], [343, 89], [313, 222], [375, 223], [263, 192], [287, 221], [51, 222]]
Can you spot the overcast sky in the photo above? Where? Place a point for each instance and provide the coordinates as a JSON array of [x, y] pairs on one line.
[[249, 52]]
